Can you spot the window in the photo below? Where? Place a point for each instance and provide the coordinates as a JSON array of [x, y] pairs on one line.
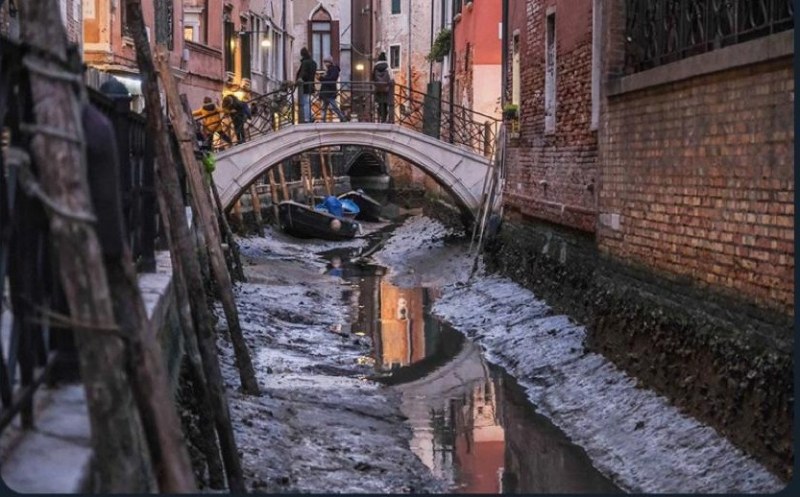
[[194, 18], [323, 36], [320, 41], [163, 15], [394, 56], [395, 6], [126, 18], [550, 76], [188, 33], [230, 46]]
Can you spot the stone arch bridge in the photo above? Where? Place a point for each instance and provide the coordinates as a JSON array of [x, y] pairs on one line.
[[459, 163]]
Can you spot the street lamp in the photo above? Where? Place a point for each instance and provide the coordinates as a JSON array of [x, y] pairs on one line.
[[266, 43]]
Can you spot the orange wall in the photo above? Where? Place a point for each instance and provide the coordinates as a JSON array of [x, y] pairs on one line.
[[478, 26]]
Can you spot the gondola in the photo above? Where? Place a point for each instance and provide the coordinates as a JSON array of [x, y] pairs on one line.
[[303, 221], [370, 209]]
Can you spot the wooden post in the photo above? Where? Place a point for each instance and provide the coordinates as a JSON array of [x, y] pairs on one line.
[[169, 196], [326, 176], [206, 221], [284, 188], [236, 261], [122, 464], [237, 213], [256, 207], [273, 190], [208, 441]]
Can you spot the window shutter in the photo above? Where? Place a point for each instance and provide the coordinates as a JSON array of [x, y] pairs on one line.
[[227, 49], [245, 54], [309, 31], [335, 42]]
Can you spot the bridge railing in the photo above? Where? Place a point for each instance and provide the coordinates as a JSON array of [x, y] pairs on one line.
[[358, 102]]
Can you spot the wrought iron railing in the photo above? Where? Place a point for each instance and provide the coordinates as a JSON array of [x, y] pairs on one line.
[[137, 186], [357, 100], [663, 31]]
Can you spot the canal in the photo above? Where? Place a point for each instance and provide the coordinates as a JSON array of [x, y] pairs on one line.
[[365, 389], [472, 424]]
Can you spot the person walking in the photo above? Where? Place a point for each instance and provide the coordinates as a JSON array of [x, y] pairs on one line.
[[327, 90], [239, 112], [384, 87], [211, 119], [305, 78]]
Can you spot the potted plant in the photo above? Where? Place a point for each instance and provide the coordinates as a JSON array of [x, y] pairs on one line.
[[511, 112]]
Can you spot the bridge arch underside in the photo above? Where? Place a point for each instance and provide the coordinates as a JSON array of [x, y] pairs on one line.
[[459, 172]]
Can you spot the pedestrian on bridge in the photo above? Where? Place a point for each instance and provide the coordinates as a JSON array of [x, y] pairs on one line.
[[211, 118], [239, 112], [383, 80], [306, 76], [328, 90]]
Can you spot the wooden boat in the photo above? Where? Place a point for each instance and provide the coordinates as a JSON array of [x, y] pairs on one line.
[[370, 209], [303, 221]]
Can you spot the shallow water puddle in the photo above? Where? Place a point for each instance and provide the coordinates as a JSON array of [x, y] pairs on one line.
[[473, 426]]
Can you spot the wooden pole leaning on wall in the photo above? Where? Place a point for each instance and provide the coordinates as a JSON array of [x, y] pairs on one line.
[[170, 200], [121, 459], [233, 246], [61, 163], [207, 222]]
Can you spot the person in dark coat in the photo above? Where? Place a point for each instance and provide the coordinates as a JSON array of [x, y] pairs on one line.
[[327, 90], [383, 81], [239, 112], [306, 75]]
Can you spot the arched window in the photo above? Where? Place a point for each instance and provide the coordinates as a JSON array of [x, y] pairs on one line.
[[323, 36]]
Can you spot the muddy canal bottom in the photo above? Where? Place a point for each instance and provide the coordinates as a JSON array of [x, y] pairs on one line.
[[473, 426]]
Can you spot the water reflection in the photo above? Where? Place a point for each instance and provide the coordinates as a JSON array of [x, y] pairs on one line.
[[472, 425]]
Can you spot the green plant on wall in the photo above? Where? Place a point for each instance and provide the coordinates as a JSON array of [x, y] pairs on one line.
[[511, 111], [441, 45]]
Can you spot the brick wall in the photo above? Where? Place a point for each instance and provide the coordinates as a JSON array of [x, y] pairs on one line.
[[551, 176], [698, 176]]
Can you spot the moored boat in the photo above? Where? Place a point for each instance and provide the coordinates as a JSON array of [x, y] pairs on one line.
[[369, 208], [303, 221]]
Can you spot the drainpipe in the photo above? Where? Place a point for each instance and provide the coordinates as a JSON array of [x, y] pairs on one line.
[[283, 41], [410, 33], [452, 72], [504, 55], [430, 66]]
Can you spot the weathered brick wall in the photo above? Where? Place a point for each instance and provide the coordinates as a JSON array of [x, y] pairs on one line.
[[551, 176], [700, 175]]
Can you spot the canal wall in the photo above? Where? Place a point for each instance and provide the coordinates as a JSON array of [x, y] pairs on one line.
[[726, 362]]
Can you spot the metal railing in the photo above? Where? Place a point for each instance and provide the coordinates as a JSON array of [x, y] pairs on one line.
[[409, 108], [137, 176], [663, 31]]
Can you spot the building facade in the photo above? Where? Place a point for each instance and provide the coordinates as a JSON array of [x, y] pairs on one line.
[[552, 164], [325, 28], [649, 192], [477, 56]]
